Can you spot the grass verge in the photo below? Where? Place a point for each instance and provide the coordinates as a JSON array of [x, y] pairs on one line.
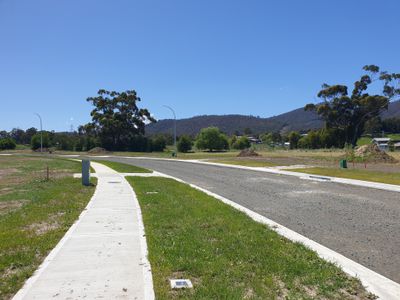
[[123, 168], [34, 213], [225, 253], [375, 176]]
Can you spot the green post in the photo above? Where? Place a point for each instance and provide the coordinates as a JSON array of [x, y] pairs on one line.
[[343, 164]]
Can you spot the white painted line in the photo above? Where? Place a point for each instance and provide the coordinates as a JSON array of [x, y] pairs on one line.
[[375, 283]]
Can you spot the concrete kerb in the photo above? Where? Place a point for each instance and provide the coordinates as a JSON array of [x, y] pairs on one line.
[[375, 283]]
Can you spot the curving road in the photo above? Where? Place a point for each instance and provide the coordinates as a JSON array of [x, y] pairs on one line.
[[361, 223]]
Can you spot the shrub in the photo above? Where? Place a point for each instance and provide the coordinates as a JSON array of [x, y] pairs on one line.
[[7, 144], [35, 141], [211, 138], [294, 138], [241, 143], [158, 143], [184, 144]]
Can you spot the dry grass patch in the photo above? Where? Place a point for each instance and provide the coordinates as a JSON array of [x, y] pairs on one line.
[[8, 206]]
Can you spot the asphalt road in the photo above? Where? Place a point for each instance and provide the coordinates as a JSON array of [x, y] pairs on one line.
[[361, 223]]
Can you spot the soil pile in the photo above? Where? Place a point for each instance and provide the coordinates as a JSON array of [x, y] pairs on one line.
[[373, 153], [248, 153], [97, 150]]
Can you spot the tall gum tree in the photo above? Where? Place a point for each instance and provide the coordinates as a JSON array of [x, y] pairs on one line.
[[116, 118], [349, 113]]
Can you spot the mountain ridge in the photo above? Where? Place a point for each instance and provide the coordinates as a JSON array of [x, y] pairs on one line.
[[296, 119]]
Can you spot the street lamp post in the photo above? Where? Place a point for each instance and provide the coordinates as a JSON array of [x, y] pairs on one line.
[[41, 133], [173, 112]]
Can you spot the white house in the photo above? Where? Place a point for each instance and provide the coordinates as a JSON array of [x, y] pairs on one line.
[[382, 143]]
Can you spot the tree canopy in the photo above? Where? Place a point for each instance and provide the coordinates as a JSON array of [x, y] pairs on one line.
[[212, 138], [117, 119], [349, 113], [184, 144]]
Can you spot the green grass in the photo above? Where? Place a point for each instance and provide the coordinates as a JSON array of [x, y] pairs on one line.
[[34, 213], [394, 136], [364, 141], [123, 168], [225, 253], [375, 176], [244, 162]]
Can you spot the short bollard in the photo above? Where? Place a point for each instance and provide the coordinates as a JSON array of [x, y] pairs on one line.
[[86, 172]]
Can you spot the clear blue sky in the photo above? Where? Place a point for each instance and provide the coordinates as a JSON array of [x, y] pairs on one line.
[[200, 57]]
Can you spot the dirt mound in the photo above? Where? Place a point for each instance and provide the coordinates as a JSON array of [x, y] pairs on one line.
[[97, 150], [248, 153], [373, 153], [45, 150]]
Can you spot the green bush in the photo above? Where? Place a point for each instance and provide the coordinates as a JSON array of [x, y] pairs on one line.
[[293, 139], [212, 139], [35, 141], [184, 144], [391, 146], [7, 144], [158, 143], [241, 143]]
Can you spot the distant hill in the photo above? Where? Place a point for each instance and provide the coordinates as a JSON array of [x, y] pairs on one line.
[[297, 119]]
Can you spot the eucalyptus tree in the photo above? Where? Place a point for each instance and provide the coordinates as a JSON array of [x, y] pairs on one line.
[[117, 119], [349, 112]]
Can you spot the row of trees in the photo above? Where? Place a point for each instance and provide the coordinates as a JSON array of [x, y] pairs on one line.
[[376, 126], [211, 139], [118, 124]]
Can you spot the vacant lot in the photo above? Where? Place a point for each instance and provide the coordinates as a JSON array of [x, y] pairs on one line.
[[34, 213], [225, 253]]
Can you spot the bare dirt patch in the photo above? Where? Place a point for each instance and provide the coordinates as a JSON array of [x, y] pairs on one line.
[[4, 191], [283, 291], [98, 150], [42, 227], [248, 153], [8, 206], [7, 172]]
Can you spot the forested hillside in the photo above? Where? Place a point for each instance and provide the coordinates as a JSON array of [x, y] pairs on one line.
[[297, 119]]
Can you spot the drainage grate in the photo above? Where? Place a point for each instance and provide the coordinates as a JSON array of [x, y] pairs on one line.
[[114, 182], [319, 177], [181, 284]]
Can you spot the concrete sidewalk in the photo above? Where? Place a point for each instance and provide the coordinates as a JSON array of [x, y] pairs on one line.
[[103, 255]]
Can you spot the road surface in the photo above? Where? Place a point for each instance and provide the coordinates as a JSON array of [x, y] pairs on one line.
[[361, 223]]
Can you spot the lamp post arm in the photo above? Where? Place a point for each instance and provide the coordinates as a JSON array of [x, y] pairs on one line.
[[173, 113], [41, 132]]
